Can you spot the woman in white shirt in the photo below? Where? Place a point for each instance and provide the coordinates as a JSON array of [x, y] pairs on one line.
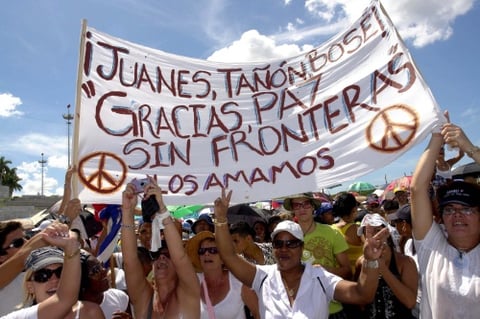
[[223, 296]]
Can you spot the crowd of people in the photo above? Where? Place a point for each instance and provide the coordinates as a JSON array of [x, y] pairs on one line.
[[414, 256]]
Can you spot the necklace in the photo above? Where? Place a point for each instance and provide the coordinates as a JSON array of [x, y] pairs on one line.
[[290, 291], [461, 261], [309, 227]]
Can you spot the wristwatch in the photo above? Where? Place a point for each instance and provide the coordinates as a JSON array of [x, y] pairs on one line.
[[372, 264], [64, 219]]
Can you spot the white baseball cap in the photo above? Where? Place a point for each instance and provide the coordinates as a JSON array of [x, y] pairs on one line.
[[289, 226], [371, 220]]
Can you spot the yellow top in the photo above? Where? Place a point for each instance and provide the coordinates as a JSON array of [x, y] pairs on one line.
[[354, 251]]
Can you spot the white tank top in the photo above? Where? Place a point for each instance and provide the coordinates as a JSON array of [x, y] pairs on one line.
[[231, 307]]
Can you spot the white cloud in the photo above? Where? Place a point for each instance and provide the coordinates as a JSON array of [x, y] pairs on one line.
[[25, 169], [58, 161], [253, 46], [31, 175], [422, 22], [469, 112], [325, 9], [55, 153], [291, 27], [36, 143], [9, 104]]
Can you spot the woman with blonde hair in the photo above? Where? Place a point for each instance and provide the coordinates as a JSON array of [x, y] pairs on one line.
[[223, 295], [176, 290], [49, 292]]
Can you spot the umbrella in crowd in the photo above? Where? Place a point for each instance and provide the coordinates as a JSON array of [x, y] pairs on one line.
[[246, 213], [184, 210], [362, 188], [322, 197], [399, 183], [470, 169]]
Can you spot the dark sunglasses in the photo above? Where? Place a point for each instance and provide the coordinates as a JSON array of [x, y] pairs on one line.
[[211, 250], [294, 243], [154, 255], [43, 275], [16, 243], [304, 205]]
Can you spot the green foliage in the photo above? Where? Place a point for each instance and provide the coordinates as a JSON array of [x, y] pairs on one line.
[[8, 176]]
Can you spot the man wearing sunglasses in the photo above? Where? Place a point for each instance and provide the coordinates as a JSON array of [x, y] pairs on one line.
[[291, 288], [14, 249]]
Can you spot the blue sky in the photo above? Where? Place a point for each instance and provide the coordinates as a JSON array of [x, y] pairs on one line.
[[40, 45]]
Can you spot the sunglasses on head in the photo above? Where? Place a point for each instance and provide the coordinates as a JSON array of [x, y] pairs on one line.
[[293, 243], [211, 250], [16, 243], [95, 270], [154, 255], [43, 275]]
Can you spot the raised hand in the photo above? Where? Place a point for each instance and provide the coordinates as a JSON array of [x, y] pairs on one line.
[[373, 246], [454, 136], [129, 199], [221, 205], [152, 188], [57, 234], [68, 175], [73, 209]]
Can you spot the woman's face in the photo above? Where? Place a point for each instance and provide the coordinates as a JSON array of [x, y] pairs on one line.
[[162, 265], [209, 257], [260, 230], [44, 282], [461, 221], [287, 250], [97, 275], [239, 243], [13, 241]]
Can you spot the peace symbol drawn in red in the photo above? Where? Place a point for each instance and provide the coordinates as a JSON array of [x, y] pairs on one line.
[[393, 128], [101, 180]]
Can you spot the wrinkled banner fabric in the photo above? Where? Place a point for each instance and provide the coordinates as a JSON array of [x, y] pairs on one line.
[[268, 129]]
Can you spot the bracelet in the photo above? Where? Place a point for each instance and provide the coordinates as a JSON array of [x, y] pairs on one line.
[[472, 150], [217, 223], [370, 264], [163, 210], [76, 252], [128, 226], [64, 219], [166, 220]]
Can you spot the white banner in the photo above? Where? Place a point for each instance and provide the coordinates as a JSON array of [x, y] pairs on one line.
[[264, 130]]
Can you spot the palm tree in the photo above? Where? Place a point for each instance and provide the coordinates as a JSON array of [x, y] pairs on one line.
[[9, 177], [12, 180], [4, 166]]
